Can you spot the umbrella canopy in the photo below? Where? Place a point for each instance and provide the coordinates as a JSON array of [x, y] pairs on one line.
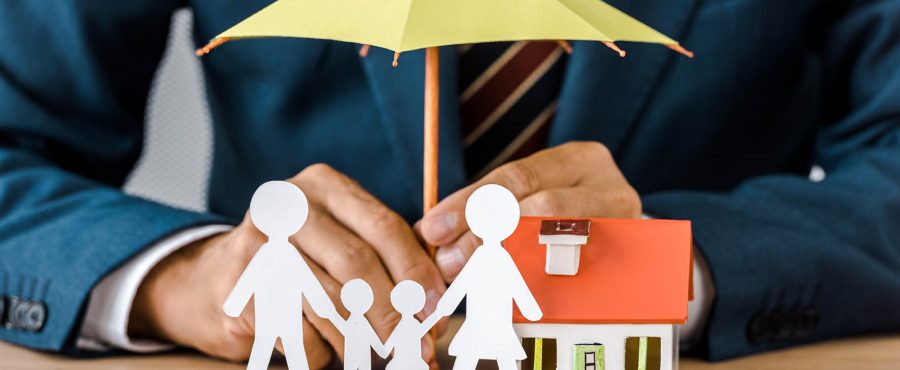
[[404, 25]]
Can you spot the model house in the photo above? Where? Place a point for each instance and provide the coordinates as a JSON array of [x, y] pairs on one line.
[[611, 291]]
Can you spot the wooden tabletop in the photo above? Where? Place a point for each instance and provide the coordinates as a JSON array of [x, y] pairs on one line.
[[881, 352]]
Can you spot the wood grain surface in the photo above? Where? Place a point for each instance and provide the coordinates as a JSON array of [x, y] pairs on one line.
[[879, 352]]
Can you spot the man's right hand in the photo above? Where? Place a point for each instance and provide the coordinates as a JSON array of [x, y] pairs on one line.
[[349, 234]]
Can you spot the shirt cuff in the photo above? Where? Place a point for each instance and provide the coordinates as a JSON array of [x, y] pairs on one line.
[[105, 323], [698, 309]]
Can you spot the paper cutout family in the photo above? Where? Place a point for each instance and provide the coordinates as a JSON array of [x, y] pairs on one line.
[[492, 212], [279, 278]]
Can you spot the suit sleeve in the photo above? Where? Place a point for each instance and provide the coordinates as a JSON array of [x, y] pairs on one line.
[[74, 78], [795, 260]]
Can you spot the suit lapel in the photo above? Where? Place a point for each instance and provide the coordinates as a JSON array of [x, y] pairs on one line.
[[603, 95], [399, 92]]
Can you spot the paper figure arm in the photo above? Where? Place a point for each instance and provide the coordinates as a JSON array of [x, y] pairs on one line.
[[380, 349], [315, 294], [522, 296], [340, 324], [429, 323], [454, 294], [243, 289], [388, 345]]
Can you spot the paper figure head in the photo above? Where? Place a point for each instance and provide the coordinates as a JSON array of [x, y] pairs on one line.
[[492, 212], [278, 209], [408, 297], [356, 295]]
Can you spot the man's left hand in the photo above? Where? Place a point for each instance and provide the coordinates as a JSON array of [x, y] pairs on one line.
[[576, 179]]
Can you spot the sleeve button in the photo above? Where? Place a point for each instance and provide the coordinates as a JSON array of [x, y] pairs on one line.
[[27, 315], [759, 328]]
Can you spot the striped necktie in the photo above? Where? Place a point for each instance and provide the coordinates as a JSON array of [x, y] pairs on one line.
[[509, 96]]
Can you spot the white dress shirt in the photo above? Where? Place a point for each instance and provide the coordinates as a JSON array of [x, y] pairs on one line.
[[105, 324]]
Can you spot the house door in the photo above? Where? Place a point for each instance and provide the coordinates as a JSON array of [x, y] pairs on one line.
[[642, 353], [541, 354]]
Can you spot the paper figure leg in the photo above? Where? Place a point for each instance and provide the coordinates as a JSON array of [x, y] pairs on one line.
[[294, 352], [261, 352], [465, 363], [507, 364], [352, 363], [348, 363]]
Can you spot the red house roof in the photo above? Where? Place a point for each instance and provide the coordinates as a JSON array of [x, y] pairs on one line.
[[631, 272]]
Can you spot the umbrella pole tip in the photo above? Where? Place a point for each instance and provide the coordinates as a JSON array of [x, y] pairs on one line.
[[565, 46], [615, 48], [214, 43], [364, 51], [396, 57], [681, 50]]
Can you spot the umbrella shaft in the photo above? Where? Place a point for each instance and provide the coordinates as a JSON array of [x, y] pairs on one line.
[[432, 81]]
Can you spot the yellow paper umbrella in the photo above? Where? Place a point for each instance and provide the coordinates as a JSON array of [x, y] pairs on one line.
[[404, 25]]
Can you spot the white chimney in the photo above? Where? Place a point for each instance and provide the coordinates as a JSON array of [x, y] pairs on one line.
[[564, 239]]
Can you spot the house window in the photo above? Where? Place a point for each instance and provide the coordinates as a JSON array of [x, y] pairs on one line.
[[588, 356], [642, 353]]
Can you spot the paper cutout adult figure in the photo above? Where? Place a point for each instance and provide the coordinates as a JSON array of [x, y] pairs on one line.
[[359, 337], [278, 278], [408, 298], [491, 283]]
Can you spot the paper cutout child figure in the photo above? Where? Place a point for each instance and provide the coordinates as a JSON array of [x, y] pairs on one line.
[[279, 278], [359, 337], [408, 298], [492, 283]]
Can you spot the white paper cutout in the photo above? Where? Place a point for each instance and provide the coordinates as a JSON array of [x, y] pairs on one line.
[[492, 283], [359, 337], [408, 299], [278, 278]]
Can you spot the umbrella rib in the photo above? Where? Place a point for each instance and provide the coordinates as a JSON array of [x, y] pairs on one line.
[[610, 42], [402, 34], [606, 40], [214, 43]]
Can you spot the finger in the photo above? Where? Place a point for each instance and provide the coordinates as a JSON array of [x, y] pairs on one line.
[[584, 201], [394, 242], [343, 256], [428, 348], [323, 327], [562, 166], [452, 257], [237, 340], [318, 352], [383, 229]]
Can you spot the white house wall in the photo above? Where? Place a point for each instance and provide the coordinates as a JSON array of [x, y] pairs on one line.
[[611, 336]]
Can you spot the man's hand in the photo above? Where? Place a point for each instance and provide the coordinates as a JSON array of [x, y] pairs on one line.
[[577, 179], [349, 234]]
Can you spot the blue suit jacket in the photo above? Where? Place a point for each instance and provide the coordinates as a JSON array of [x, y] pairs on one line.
[[725, 140]]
